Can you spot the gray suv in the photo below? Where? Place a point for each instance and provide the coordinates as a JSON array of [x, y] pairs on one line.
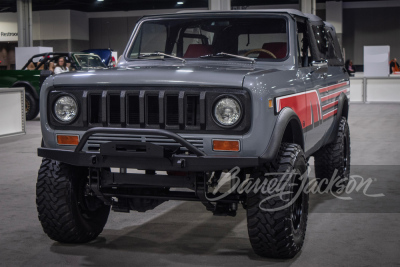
[[199, 99]]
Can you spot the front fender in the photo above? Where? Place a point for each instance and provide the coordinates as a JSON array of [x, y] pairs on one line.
[[285, 117], [343, 107]]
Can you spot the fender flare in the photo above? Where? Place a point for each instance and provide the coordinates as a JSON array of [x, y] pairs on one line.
[[342, 110], [285, 116], [28, 87]]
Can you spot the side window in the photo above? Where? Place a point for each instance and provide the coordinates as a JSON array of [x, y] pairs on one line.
[[331, 53], [321, 39], [334, 54], [303, 45]]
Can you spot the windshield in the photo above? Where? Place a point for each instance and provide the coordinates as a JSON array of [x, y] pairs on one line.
[[263, 38], [89, 61]]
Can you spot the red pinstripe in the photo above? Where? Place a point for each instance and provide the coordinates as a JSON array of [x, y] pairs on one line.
[[328, 88], [330, 105], [333, 95], [327, 115]]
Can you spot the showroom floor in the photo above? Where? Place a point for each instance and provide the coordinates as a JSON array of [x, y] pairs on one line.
[[364, 231]]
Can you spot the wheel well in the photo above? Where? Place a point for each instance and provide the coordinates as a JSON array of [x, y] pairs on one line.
[[28, 88], [293, 133], [345, 110]]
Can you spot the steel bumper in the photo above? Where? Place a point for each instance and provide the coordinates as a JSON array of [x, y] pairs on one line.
[[144, 156]]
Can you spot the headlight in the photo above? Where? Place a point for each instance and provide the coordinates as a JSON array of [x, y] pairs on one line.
[[65, 109], [227, 111]]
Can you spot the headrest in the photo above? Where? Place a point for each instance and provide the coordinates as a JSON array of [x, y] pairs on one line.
[[197, 50], [279, 49]]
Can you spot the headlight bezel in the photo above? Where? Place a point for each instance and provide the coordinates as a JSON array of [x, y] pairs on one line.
[[217, 100], [54, 111]]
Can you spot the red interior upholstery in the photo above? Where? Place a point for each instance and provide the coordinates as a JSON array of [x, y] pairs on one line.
[[278, 49], [197, 50]]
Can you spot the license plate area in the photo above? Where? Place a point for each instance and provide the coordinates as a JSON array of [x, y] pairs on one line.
[[132, 149]]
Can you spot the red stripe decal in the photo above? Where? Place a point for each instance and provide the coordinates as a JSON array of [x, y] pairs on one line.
[[330, 105], [327, 115], [301, 103], [333, 95], [325, 89]]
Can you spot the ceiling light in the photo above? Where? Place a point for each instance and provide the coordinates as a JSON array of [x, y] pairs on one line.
[[179, 3], [100, 0]]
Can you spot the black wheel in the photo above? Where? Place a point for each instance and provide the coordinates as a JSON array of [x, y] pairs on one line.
[[334, 157], [66, 214], [277, 222], [31, 107]]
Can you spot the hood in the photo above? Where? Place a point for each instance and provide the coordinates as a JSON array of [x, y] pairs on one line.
[[221, 75]]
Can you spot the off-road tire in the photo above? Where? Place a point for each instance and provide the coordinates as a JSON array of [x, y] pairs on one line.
[[31, 107], [280, 233], [63, 207], [334, 156]]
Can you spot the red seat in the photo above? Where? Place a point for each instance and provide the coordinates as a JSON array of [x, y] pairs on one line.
[[278, 49], [197, 50]]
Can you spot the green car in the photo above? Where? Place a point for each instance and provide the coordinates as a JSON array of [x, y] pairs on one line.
[[38, 68]]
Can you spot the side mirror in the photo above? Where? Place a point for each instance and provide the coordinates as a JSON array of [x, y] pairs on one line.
[[321, 68], [320, 63]]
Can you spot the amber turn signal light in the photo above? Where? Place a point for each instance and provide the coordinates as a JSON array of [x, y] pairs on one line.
[[270, 103], [72, 140], [226, 145]]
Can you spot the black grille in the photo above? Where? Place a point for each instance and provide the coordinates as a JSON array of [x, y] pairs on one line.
[[172, 110], [115, 109], [148, 108], [177, 109], [95, 112], [192, 110], [152, 110], [133, 109]]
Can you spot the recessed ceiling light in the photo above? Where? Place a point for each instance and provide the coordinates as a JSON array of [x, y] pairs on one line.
[[179, 3], [100, 0]]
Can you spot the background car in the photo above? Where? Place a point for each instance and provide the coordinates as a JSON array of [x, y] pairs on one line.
[[105, 55], [38, 68]]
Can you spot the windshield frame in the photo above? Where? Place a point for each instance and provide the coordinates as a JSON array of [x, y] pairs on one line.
[[200, 15]]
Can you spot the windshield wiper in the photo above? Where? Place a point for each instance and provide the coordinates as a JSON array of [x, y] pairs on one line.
[[162, 54], [223, 54]]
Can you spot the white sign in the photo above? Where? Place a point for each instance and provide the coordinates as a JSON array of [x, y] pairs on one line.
[[12, 111], [376, 61], [8, 27]]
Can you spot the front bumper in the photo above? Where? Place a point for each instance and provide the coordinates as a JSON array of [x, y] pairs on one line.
[[145, 156]]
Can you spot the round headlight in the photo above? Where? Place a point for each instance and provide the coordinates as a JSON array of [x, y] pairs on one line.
[[227, 111], [65, 109]]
